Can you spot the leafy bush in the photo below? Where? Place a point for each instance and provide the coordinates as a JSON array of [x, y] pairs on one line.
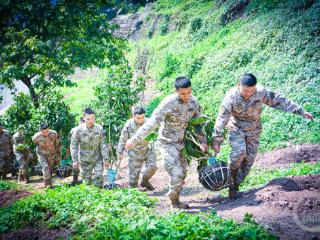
[[92, 213], [171, 66], [195, 66], [115, 96], [51, 110], [195, 25], [5, 185], [164, 26], [153, 105]]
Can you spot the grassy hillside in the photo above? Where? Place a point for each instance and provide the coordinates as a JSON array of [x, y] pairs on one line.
[[215, 42]]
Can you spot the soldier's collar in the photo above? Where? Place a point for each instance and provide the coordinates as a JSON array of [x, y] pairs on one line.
[[137, 123], [179, 100]]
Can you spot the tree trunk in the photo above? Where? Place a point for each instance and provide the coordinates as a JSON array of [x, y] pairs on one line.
[[34, 96]]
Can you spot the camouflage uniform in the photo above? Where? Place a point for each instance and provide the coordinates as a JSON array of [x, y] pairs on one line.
[[90, 144], [142, 152], [21, 156], [172, 115], [243, 120], [6, 153], [48, 152], [75, 171]]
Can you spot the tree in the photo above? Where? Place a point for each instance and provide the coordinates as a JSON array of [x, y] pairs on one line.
[[43, 41], [115, 95]]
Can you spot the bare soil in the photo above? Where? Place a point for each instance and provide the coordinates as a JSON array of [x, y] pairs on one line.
[[7, 197], [36, 234]]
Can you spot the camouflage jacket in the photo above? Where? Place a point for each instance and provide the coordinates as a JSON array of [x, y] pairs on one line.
[[128, 131], [72, 131], [6, 149], [237, 113], [48, 146], [89, 143], [172, 115]]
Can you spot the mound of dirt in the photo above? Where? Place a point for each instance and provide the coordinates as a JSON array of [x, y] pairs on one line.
[[289, 155], [282, 206], [9, 196], [36, 234]]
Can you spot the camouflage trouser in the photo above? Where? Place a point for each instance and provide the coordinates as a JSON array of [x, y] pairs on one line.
[[175, 164], [75, 171], [22, 159], [91, 168], [244, 148], [135, 165], [5, 162], [47, 164]]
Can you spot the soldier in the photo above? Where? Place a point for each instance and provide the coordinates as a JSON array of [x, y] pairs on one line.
[[48, 151], [21, 153], [142, 152], [173, 115], [88, 149], [6, 152], [75, 171], [241, 110]]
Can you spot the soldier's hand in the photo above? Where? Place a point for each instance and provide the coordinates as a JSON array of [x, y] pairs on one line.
[[129, 145], [216, 148], [106, 164], [75, 165], [308, 116], [204, 147]]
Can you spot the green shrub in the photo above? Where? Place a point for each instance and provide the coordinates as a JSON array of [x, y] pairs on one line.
[[172, 65], [115, 95], [5, 185], [153, 105], [51, 110]]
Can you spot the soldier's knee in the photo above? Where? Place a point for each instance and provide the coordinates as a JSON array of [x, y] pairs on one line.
[[153, 168], [178, 175]]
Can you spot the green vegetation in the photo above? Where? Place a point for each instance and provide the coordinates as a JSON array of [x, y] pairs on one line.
[[42, 42], [51, 110], [115, 95], [80, 95], [276, 40], [92, 213], [5, 185], [259, 177]]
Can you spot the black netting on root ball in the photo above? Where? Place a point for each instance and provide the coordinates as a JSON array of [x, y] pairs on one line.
[[215, 177]]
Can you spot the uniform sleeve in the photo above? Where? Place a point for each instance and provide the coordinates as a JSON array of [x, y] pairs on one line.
[[201, 134], [103, 146], [222, 121], [74, 147], [277, 101], [123, 139], [152, 123]]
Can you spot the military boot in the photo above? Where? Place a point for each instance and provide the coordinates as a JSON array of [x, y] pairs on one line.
[[48, 183], [233, 188], [176, 203], [75, 180], [20, 177], [27, 179], [146, 184]]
